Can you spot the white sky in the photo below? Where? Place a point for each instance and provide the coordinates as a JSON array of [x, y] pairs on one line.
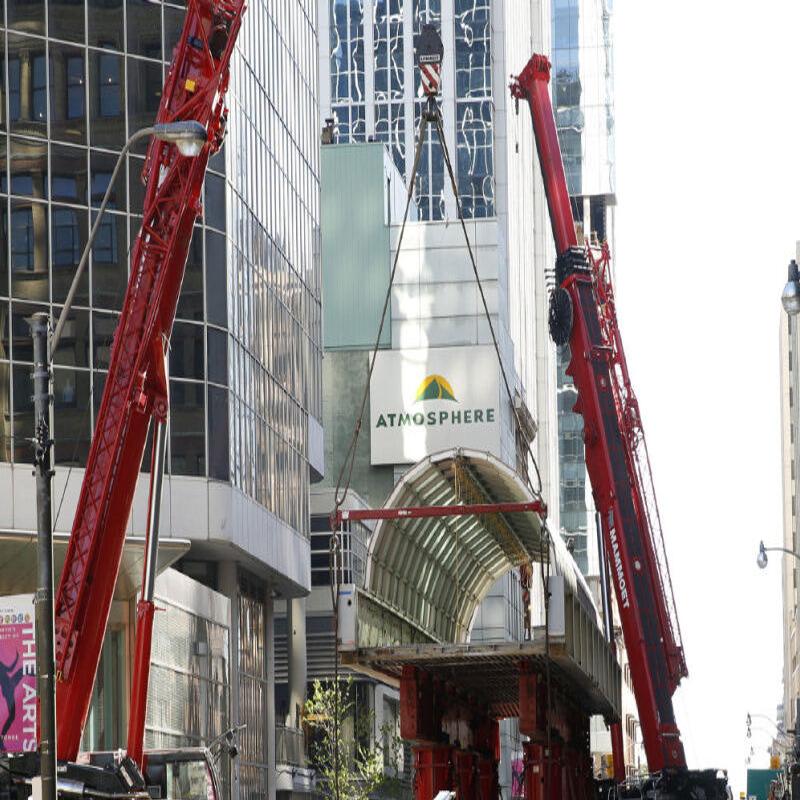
[[707, 121]]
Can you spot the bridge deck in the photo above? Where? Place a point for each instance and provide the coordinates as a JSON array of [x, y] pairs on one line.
[[490, 672]]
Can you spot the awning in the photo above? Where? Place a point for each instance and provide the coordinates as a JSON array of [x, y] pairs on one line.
[[436, 571], [18, 561]]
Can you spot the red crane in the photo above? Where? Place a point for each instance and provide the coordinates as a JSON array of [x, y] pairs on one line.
[[583, 315], [136, 389]]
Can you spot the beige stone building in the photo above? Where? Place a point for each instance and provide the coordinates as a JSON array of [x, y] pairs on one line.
[[790, 431]]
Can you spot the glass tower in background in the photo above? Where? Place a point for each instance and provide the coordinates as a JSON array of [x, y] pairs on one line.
[[370, 89], [582, 86]]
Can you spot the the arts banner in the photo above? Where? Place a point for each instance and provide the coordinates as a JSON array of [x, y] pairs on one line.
[[17, 674]]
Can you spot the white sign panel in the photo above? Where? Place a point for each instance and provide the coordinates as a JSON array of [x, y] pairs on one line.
[[426, 400]]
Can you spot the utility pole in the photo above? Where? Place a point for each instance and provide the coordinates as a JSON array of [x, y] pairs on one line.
[[45, 651]]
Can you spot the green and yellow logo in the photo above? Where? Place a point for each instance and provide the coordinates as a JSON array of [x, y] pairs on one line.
[[435, 387]]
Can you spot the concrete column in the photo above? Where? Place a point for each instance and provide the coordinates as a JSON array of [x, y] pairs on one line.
[[269, 722], [229, 586], [296, 648]]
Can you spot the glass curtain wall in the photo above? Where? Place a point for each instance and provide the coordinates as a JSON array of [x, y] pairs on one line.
[[273, 293], [391, 112], [78, 78]]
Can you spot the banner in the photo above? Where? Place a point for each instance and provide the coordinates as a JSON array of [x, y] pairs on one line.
[[423, 401], [17, 674]]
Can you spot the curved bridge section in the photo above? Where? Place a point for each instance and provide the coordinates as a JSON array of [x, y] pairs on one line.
[[435, 571], [426, 577]]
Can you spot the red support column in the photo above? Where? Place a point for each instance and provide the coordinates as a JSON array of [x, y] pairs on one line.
[[488, 778], [433, 768], [534, 760], [466, 775]]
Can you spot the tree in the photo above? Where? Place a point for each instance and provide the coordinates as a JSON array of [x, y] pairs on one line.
[[349, 766]]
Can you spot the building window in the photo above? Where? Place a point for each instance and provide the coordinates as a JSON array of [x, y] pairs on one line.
[[76, 96], [66, 238], [109, 88], [39, 88], [14, 106], [22, 239]]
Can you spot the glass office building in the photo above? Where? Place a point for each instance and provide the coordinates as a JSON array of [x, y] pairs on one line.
[[370, 86], [77, 78]]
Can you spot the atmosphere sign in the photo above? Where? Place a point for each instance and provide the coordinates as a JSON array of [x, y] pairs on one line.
[[426, 400], [17, 674]]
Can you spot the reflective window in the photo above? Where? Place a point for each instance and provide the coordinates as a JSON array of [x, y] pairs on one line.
[[69, 173], [190, 303], [106, 100], [187, 423], [65, 19], [218, 356], [145, 82], [22, 409], [106, 20], [218, 434], [144, 28], [72, 404], [27, 15], [29, 167], [5, 407], [73, 347], [27, 85], [215, 201], [186, 351], [475, 147], [110, 261], [4, 243], [216, 279], [69, 231], [67, 94]]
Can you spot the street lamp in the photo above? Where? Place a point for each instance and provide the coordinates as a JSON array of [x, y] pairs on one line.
[[761, 558], [188, 136], [790, 297]]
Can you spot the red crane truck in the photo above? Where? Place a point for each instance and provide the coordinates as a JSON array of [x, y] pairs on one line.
[[582, 314]]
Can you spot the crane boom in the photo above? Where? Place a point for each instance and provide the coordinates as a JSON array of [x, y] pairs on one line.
[[136, 388], [582, 313]]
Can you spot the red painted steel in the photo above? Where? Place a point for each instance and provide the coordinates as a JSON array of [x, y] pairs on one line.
[[145, 611], [616, 455], [433, 771], [466, 772], [414, 512], [533, 85], [194, 89]]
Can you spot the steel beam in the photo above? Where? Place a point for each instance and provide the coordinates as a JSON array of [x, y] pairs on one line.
[[414, 512]]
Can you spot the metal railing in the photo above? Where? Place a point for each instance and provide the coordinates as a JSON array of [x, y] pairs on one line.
[[290, 746]]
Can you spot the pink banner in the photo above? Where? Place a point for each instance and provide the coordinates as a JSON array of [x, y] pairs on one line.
[[17, 674]]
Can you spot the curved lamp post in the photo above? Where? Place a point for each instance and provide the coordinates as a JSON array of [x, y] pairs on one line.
[[188, 136], [761, 558], [790, 297]]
